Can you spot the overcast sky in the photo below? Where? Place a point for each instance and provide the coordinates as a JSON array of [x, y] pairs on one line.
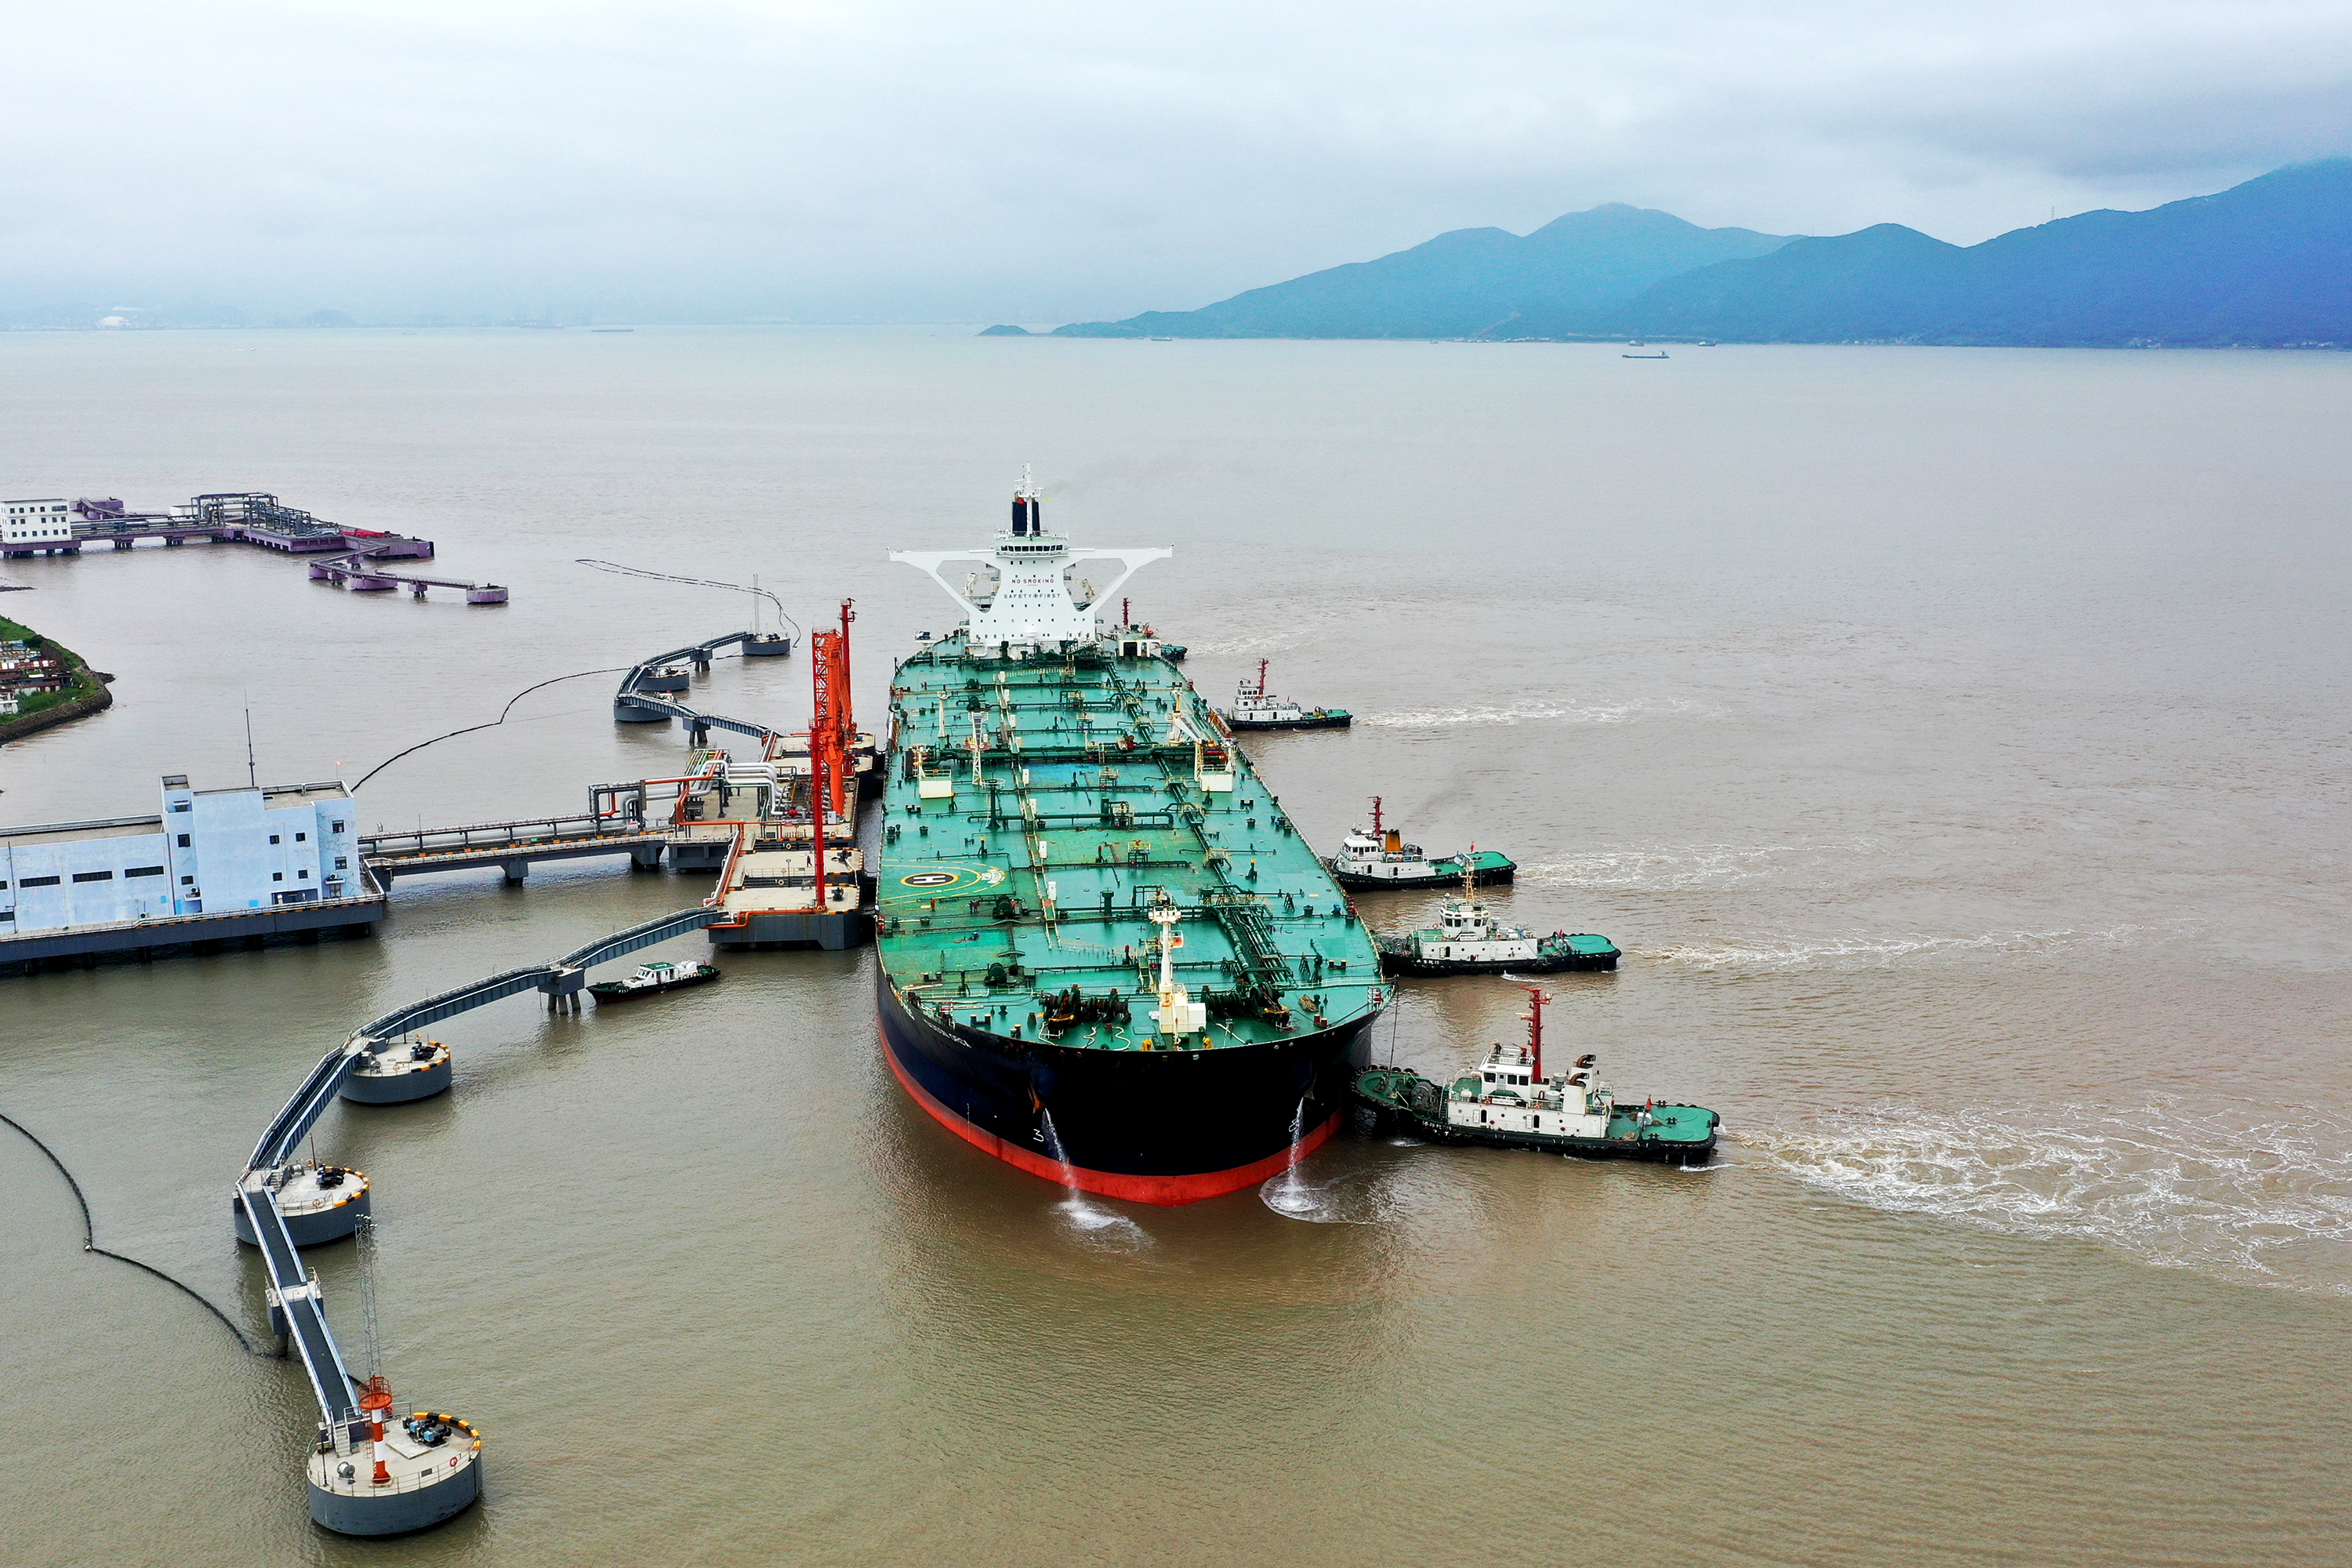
[[1048, 162]]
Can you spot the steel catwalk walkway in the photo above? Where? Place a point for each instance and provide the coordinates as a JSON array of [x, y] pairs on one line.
[[295, 1309], [635, 702]]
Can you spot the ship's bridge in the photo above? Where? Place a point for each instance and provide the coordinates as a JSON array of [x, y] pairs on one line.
[[1032, 605]]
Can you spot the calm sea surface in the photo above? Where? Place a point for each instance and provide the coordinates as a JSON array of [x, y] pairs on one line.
[[1955, 741]]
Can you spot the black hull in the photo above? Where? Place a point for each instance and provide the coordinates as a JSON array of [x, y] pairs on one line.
[[1328, 721], [618, 995], [1434, 968], [1162, 1127], [1354, 883]]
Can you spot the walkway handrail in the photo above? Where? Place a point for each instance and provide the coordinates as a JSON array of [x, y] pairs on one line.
[[692, 716], [700, 653], [510, 832], [639, 936], [310, 1103], [448, 1003], [293, 1294]]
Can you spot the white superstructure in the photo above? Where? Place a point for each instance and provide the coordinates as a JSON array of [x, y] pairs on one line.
[[1466, 934], [1386, 855], [1509, 1094], [1037, 602]]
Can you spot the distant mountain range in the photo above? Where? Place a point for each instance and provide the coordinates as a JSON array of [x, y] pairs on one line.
[[1465, 283], [2266, 263]]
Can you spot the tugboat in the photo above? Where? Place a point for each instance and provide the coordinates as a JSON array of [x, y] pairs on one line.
[[1468, 940], [1509, 1103], [1130, 629], [652, 979], [1253, 709], [1381, 858]]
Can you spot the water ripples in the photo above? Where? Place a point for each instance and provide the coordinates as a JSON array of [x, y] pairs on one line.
[[2249, 1192], [1859, 950], [1534, 712], [1683, 868]]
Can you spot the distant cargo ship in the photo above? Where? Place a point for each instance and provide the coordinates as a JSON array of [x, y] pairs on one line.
[[1106, 955]]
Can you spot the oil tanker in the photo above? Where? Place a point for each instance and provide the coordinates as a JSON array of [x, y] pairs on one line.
[[1107, 956]]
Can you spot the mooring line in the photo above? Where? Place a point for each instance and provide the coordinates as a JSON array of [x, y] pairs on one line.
[[90, 1244]]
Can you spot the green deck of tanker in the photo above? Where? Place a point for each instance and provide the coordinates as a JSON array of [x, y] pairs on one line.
[[1014, 873]]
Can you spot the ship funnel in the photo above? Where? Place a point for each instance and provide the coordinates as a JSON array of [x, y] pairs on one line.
[[1395, 843], [1023, 509]]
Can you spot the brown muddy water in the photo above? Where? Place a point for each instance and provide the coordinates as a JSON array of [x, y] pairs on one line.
[[1955, 741]]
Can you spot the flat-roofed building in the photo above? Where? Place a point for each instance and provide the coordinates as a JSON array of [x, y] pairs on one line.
[[210, 861], [27, 526]]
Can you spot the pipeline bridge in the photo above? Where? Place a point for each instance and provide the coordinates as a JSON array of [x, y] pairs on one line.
[[298, 1311], [615, 821], [645, 691], [515, 847]]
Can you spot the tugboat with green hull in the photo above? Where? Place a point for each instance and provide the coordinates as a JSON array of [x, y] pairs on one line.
[[1381, 858], [1253, 709], [1467, 940], [1511, 1104], [1107, 957]]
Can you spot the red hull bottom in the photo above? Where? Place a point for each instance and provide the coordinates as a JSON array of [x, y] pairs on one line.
[[1165, 1191]]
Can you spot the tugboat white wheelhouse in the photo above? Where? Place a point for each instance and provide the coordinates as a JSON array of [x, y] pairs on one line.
[[1106, 956]]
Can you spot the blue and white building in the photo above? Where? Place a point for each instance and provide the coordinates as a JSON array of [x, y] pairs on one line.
[[212, 861]]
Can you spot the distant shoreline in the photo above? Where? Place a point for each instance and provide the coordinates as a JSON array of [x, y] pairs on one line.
[[1052, 335]]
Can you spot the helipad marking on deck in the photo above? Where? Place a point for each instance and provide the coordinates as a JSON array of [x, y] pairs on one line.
[[950, 877]]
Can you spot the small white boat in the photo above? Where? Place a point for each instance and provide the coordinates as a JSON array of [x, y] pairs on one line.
[[652, 979]]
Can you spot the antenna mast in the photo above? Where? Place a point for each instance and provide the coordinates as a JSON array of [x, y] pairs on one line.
[[1537, 997], [370, 1326], [251, 782]]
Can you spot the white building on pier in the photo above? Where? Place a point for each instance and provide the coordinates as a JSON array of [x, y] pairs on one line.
[[208, 852], [29, 525]]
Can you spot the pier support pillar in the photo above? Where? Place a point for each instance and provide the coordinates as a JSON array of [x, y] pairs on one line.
[[646, 858], [516, 870], [562, 989]]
